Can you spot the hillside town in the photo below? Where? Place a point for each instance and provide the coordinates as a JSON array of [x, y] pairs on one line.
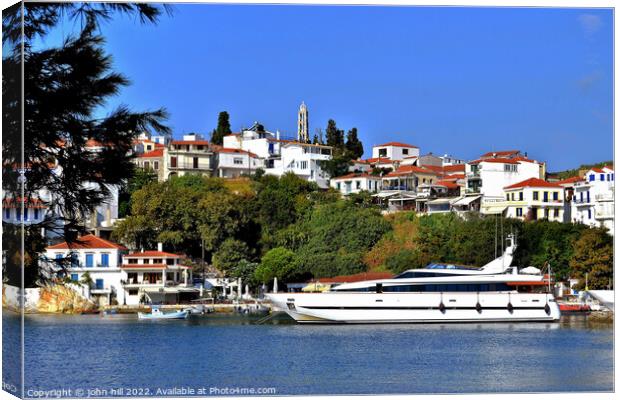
[[397, 177]]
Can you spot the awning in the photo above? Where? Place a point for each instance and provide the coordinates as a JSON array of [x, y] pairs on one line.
[[492, 209], [439, 201], [465, 201], [383, 195]]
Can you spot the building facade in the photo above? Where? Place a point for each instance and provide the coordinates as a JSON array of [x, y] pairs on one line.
[[395, 151], [356, 182], [156, 277], [94, 257], [535, 199], [192, 155]]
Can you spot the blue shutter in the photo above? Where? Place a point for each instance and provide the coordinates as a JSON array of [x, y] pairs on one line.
[[89, 260], [99, 284], [591, 177], [7, 213], [18, 212], [105, 260], [74, 277], [602, 177], [25, 214], [36, 213]]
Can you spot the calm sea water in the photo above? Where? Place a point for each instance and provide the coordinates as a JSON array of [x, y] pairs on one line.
[[90, 352]]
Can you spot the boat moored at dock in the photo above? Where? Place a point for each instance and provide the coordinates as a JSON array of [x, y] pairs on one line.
[[437, 293], [156, 313]]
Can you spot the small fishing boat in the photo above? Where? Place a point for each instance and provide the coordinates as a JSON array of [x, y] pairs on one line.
[[156, 313]]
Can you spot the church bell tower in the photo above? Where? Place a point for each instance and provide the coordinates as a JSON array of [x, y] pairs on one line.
[[302, 123]]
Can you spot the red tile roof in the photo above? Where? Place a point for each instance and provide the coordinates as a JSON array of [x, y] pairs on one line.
[[396, 144], [363, 276], [448, 184], [501, 153], [601, 170], [143, 266], [572, 179], [454, 176], [151, 253], [88, 242], [410, 169], [495, 160], [9, 202], [378, 160], [533, 182], [454, 168], [221, 149], [153, 153]]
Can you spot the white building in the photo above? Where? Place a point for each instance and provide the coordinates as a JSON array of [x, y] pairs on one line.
[[192, 155], [447, 159], [98, 257], [156, 277], [395, 151], [281, 156], [593, 198], [535, 199], [489, 175], [356, 182], [232, 163], [34, 211], [120, 278]]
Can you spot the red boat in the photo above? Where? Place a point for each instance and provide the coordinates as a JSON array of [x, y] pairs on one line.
[[573, 307]]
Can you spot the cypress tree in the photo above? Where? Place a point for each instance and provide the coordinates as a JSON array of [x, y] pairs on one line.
[[354, 146], [223, 128]]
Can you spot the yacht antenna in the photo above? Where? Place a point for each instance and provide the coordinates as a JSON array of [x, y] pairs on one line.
[[501, 222], [496, 236]]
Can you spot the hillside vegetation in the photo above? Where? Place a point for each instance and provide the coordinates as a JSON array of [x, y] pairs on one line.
[[267, 227]]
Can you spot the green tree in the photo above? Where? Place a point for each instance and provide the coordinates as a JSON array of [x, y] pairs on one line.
[[140, 177], [276, 263], [171, 212], [593, 254], [354, 146], [64, 89], [245, 270], [229, 254], [223, 128], [334, 136], [333, 238]]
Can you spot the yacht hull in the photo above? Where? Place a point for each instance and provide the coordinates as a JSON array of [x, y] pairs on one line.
[[365, 308]]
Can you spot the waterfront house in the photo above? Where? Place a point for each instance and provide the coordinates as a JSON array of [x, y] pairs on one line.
[[356, 182], [592, 198], [156, 277], [534, 199], [98, 257]]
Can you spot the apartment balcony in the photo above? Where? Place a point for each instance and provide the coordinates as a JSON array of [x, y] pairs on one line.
[[604, 197], [100, 290], [604, 214], [133, 284], [189, 166]]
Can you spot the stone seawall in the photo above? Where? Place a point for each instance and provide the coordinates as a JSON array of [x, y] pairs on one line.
[[57, 298]]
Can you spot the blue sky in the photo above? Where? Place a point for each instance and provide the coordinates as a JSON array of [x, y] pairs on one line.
[[449, 80]]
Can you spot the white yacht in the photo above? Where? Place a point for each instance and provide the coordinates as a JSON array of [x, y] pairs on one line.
[[438, 293]]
